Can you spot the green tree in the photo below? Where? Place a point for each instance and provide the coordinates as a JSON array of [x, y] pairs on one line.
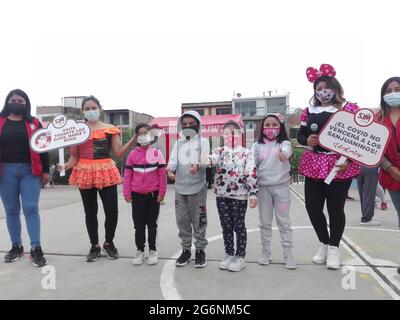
[[295, 159], [53, 159], [127, 134]]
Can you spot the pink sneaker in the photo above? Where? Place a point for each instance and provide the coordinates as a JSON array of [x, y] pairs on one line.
[[384, 206]]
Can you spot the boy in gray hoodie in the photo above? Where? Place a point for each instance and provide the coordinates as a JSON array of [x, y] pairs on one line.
[[187, 167]]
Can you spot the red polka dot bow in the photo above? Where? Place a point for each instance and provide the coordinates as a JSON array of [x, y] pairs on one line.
[[325, 70]]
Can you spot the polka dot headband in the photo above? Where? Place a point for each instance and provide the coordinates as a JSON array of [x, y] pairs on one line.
[[280, 117], [325, 70]]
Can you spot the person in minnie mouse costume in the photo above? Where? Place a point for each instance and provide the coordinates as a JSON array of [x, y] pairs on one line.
[[316, 163]]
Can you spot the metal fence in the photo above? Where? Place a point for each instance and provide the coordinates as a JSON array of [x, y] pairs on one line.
[[296, 177]]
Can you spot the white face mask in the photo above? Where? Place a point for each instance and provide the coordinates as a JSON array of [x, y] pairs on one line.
[[325, 95], [92, 115], [144, 139], [392, 99]]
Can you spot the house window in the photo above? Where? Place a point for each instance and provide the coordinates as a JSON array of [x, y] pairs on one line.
[[224, 111], [246, 108], [276, 105], [112, 118], [125, 118]]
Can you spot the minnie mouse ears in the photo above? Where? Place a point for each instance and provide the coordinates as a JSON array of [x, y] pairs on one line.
[[325, 70]]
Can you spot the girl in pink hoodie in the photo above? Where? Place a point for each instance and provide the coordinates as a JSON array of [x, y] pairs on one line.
[[145, 185]]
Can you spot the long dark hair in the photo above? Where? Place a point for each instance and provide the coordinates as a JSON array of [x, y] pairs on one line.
[[385, 108], [231, 123], [18, 92], [91, 98], [282, 136], [140, 126], [333, 84]]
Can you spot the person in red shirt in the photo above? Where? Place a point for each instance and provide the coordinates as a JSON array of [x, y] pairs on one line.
[[22, 172], [389, 114]]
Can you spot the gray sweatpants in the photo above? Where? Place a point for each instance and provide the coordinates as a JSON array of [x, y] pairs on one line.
[[367, 182], [274, 199], [380, 192], [191, 215]]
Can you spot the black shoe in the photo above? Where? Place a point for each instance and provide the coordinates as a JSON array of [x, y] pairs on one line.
[[110, 251], [94, 254], [200, 259], [38, 260], [184, 258], [14, 254], [398, 270]]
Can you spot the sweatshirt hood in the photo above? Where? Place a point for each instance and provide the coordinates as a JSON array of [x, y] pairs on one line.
[[193, 114]]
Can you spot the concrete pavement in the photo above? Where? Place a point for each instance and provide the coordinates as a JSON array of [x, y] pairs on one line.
[[370, 257]]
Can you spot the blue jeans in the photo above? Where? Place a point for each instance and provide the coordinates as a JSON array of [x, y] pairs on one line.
[[395, 196], [18, 181]]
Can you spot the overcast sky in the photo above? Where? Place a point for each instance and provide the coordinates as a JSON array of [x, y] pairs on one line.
[[153, 55]]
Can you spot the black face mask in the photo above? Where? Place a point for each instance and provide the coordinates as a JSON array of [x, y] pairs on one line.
[[190, 132], [16, 108], [155, 139]]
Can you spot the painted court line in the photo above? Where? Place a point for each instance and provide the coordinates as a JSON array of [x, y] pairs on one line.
[[170, 291], [391, 287]]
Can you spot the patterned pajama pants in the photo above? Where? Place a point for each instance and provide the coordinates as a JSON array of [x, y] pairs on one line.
[[232, 214]]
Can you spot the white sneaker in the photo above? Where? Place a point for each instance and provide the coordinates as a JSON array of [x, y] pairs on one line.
[[153, 258], [290, 262], [237, 265], [265, 257], [226, 262], [138, 258], [371, 222], [333, 259], [321, 255]]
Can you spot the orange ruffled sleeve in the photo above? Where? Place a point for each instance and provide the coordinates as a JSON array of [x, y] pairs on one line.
[[112, 130], [101, 134]]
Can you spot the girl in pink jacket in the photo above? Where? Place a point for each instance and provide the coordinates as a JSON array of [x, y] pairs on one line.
[[145, 185]]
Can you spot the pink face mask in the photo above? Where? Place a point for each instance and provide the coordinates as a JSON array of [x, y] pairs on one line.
[[231, 141], [271, 133]]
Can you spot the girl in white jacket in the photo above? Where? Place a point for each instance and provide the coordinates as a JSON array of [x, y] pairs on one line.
[[235, 183]]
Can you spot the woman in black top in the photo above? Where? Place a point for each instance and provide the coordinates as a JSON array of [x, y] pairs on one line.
[[22, 172]]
